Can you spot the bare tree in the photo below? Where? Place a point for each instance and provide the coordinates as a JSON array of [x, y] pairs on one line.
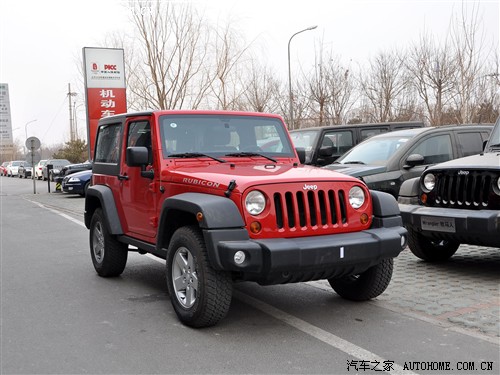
[[470, 57], [384, 82], [342, 87], [173, 45], [260, 89], [319, 92], [432, 69], [226, 83]]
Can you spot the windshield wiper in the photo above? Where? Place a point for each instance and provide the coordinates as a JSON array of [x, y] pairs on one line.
[[495, 145], [243, 154], [188, 155]]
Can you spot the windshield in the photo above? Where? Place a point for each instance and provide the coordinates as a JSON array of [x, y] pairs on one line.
[[224, 134], [494, 140], [373, 151]]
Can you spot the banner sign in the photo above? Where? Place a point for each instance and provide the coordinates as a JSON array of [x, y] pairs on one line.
[[6, 139], [105, 88]]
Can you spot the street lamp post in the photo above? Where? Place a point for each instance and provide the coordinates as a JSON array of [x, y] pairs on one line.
[[290, 73], [26, 127]]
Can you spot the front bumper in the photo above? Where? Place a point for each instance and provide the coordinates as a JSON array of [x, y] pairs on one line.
[[284, 260], [474, 227]]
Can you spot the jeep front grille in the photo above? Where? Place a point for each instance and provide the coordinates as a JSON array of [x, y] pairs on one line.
[[470, 190], [301, 209]]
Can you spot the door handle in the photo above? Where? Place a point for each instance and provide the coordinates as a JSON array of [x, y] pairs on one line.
[[122, 177]]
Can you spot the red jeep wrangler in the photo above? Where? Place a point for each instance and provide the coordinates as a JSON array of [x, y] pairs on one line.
[[196, 189]]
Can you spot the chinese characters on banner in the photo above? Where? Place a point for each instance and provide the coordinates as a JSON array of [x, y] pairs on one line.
[[104, 87]]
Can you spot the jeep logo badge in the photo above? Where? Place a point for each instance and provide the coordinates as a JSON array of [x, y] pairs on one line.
[[464, 173], [310, 187]]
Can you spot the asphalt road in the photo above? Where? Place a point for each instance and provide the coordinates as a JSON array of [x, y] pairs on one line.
[[59, 317]]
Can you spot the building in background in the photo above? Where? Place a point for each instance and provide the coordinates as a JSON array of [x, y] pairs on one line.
[[6, 139]]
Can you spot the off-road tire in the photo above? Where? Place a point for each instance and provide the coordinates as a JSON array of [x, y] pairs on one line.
[[429, 250], [109, 256], [208, 297], [367, 285]]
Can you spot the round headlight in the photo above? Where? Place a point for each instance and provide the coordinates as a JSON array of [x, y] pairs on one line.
[[255, 202], [356, 197], [429, 181], [498, 184]]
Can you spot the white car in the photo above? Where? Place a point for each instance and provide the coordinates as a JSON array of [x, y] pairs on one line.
[[12, 168], [39, 169]]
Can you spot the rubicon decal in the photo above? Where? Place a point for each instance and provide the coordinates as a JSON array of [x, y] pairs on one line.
[[195, 181]]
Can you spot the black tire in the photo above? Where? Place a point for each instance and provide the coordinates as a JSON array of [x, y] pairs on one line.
[[429, 250], [367, 285], [201, 296], [109, 256]]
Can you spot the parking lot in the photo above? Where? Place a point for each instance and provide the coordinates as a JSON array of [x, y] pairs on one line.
[[462, 293], [58, 316]]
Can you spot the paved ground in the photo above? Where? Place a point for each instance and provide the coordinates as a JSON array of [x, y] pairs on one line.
[[462, 293]]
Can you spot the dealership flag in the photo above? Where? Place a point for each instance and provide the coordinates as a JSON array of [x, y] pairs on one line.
[[105, 88]]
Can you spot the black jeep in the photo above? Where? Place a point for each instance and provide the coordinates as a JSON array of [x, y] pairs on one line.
[[453, 203]]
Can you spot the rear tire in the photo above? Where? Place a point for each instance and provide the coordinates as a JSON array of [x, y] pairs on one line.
[[428, 250], [367, 285], [200, 295], [109, 256]]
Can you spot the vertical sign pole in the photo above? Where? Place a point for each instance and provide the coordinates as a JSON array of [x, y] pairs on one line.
[[33, 165]]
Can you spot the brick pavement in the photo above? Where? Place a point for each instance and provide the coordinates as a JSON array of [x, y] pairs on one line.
[[463, 292]]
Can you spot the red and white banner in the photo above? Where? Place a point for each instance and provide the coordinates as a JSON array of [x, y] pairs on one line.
[[105, 88]]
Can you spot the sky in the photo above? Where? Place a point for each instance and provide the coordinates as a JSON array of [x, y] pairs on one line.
[[41, 42]]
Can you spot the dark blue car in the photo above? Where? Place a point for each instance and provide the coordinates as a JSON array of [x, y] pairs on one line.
[[77, 183]]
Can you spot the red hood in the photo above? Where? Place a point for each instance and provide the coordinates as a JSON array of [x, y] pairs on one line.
[[219, 175]]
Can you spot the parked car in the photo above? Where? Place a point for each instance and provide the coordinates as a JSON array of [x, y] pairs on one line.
[[25, 170], [454, 203], [73, 168], [77, 183], [324, 144], [3, 168], [57, 165], [13, 167], [39, 169], [385, 161]]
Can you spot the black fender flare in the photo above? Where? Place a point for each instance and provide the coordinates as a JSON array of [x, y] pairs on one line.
[[101, 195], [410, 188], [386, 211], [384, 204], [216, 213]]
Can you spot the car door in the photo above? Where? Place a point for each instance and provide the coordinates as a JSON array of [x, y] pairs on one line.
[[137, 193], [435, 148], [341, 141]]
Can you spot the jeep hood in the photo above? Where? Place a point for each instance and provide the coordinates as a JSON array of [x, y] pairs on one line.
[[485, 161], [247, 175], [357, 170]]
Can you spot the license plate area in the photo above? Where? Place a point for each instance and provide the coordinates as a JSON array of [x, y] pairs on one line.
[[438, 224]]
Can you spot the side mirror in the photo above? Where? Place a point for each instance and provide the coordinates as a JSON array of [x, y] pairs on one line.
[[137, 156], [326, 151], [413, 160], [301, 153]]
